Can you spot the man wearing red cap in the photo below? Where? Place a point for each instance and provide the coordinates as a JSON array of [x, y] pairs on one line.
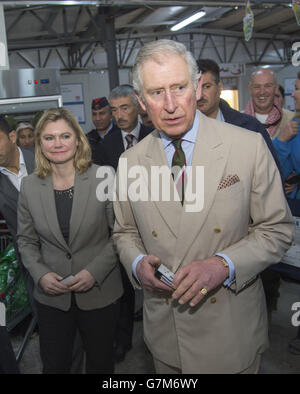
[[102, 119]]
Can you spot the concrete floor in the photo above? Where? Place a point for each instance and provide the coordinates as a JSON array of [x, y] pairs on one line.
[[276, 360]]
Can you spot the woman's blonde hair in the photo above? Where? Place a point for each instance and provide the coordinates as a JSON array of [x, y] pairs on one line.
[[83, 155]]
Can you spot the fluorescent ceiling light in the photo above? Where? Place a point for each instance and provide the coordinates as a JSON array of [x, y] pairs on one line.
[[189, 20]]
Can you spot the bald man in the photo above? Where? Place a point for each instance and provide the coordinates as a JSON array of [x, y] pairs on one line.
[[264, 104]]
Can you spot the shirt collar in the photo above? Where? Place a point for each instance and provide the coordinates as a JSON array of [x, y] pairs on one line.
[[220, 116], [22, 161], [190, 135], [135, 132], [107, 131]]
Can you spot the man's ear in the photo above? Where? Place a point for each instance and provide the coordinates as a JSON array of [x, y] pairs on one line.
[[13, 136], [199, 89], [140, 101], [220, 87]]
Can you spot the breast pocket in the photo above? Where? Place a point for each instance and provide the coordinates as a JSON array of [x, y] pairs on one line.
[[230, 192], [231, 206]]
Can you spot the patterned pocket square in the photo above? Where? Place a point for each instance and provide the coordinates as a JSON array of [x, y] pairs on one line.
[[228, 181]]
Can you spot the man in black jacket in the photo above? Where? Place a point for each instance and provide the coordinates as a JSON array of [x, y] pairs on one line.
[[213, 106], [125, 111], [102, 119], [124, 106]]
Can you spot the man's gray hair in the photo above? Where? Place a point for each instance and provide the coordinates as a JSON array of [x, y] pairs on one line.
[[123, 91], [152, 50]]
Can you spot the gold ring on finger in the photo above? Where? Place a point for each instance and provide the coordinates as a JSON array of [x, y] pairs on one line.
[[203, 291]]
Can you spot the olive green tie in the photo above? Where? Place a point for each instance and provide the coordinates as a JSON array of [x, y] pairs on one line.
[[179, 162]]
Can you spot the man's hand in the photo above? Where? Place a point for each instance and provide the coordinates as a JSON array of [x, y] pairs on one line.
[[145, 271], [192, 278], [289, 187], [289, 131], [83, 281], [50, 283]]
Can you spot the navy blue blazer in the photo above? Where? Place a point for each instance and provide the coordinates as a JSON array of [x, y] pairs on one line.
[[109, 152], [95, 139]]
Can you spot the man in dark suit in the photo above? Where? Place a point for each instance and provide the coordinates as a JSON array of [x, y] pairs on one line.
[[102, 119], [15, 163], [125, 110]]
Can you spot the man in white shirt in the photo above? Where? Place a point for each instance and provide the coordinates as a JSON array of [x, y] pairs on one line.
[[15, 163]]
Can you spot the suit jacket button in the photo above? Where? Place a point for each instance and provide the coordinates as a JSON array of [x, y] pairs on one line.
[[69, 256], [217, 230], [154, 233], [213, 300]]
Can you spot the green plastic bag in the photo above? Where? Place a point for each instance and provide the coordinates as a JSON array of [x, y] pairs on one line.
[[13, 290]]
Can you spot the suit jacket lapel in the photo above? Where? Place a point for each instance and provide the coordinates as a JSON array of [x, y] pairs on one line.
[[144, 131], [80, 200], [119, 144], [211, 153], [8, 189], [29, 160], [155, 156], [49, 207], [116, 147]]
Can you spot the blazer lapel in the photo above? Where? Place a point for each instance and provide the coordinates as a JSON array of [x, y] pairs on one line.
[[80, 200], [119, 144], [155, 156], [211, 153], [144, 131], [49, 207], [29, 160], [8, 189]]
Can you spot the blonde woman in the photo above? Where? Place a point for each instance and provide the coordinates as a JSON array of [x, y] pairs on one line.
[[64, 240]]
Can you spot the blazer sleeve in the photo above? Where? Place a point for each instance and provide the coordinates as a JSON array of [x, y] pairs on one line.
[[126, 235], [28, 240], [272, 227]]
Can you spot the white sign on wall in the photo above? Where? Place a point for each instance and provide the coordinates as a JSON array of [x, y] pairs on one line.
[[289, 87], [72, 94]]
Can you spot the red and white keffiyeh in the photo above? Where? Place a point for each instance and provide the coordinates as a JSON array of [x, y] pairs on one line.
[[273, 118]]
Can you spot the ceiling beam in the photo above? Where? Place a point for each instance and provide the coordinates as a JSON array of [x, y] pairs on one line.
[[107, 3]]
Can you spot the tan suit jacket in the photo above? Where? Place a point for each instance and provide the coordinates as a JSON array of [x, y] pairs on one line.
[[286, 117], [43, 248], [249, 221]]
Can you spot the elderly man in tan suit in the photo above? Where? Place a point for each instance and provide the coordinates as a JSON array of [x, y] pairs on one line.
[[230, 223]]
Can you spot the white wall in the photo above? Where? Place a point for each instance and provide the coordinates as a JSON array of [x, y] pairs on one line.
[[95, 84]]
